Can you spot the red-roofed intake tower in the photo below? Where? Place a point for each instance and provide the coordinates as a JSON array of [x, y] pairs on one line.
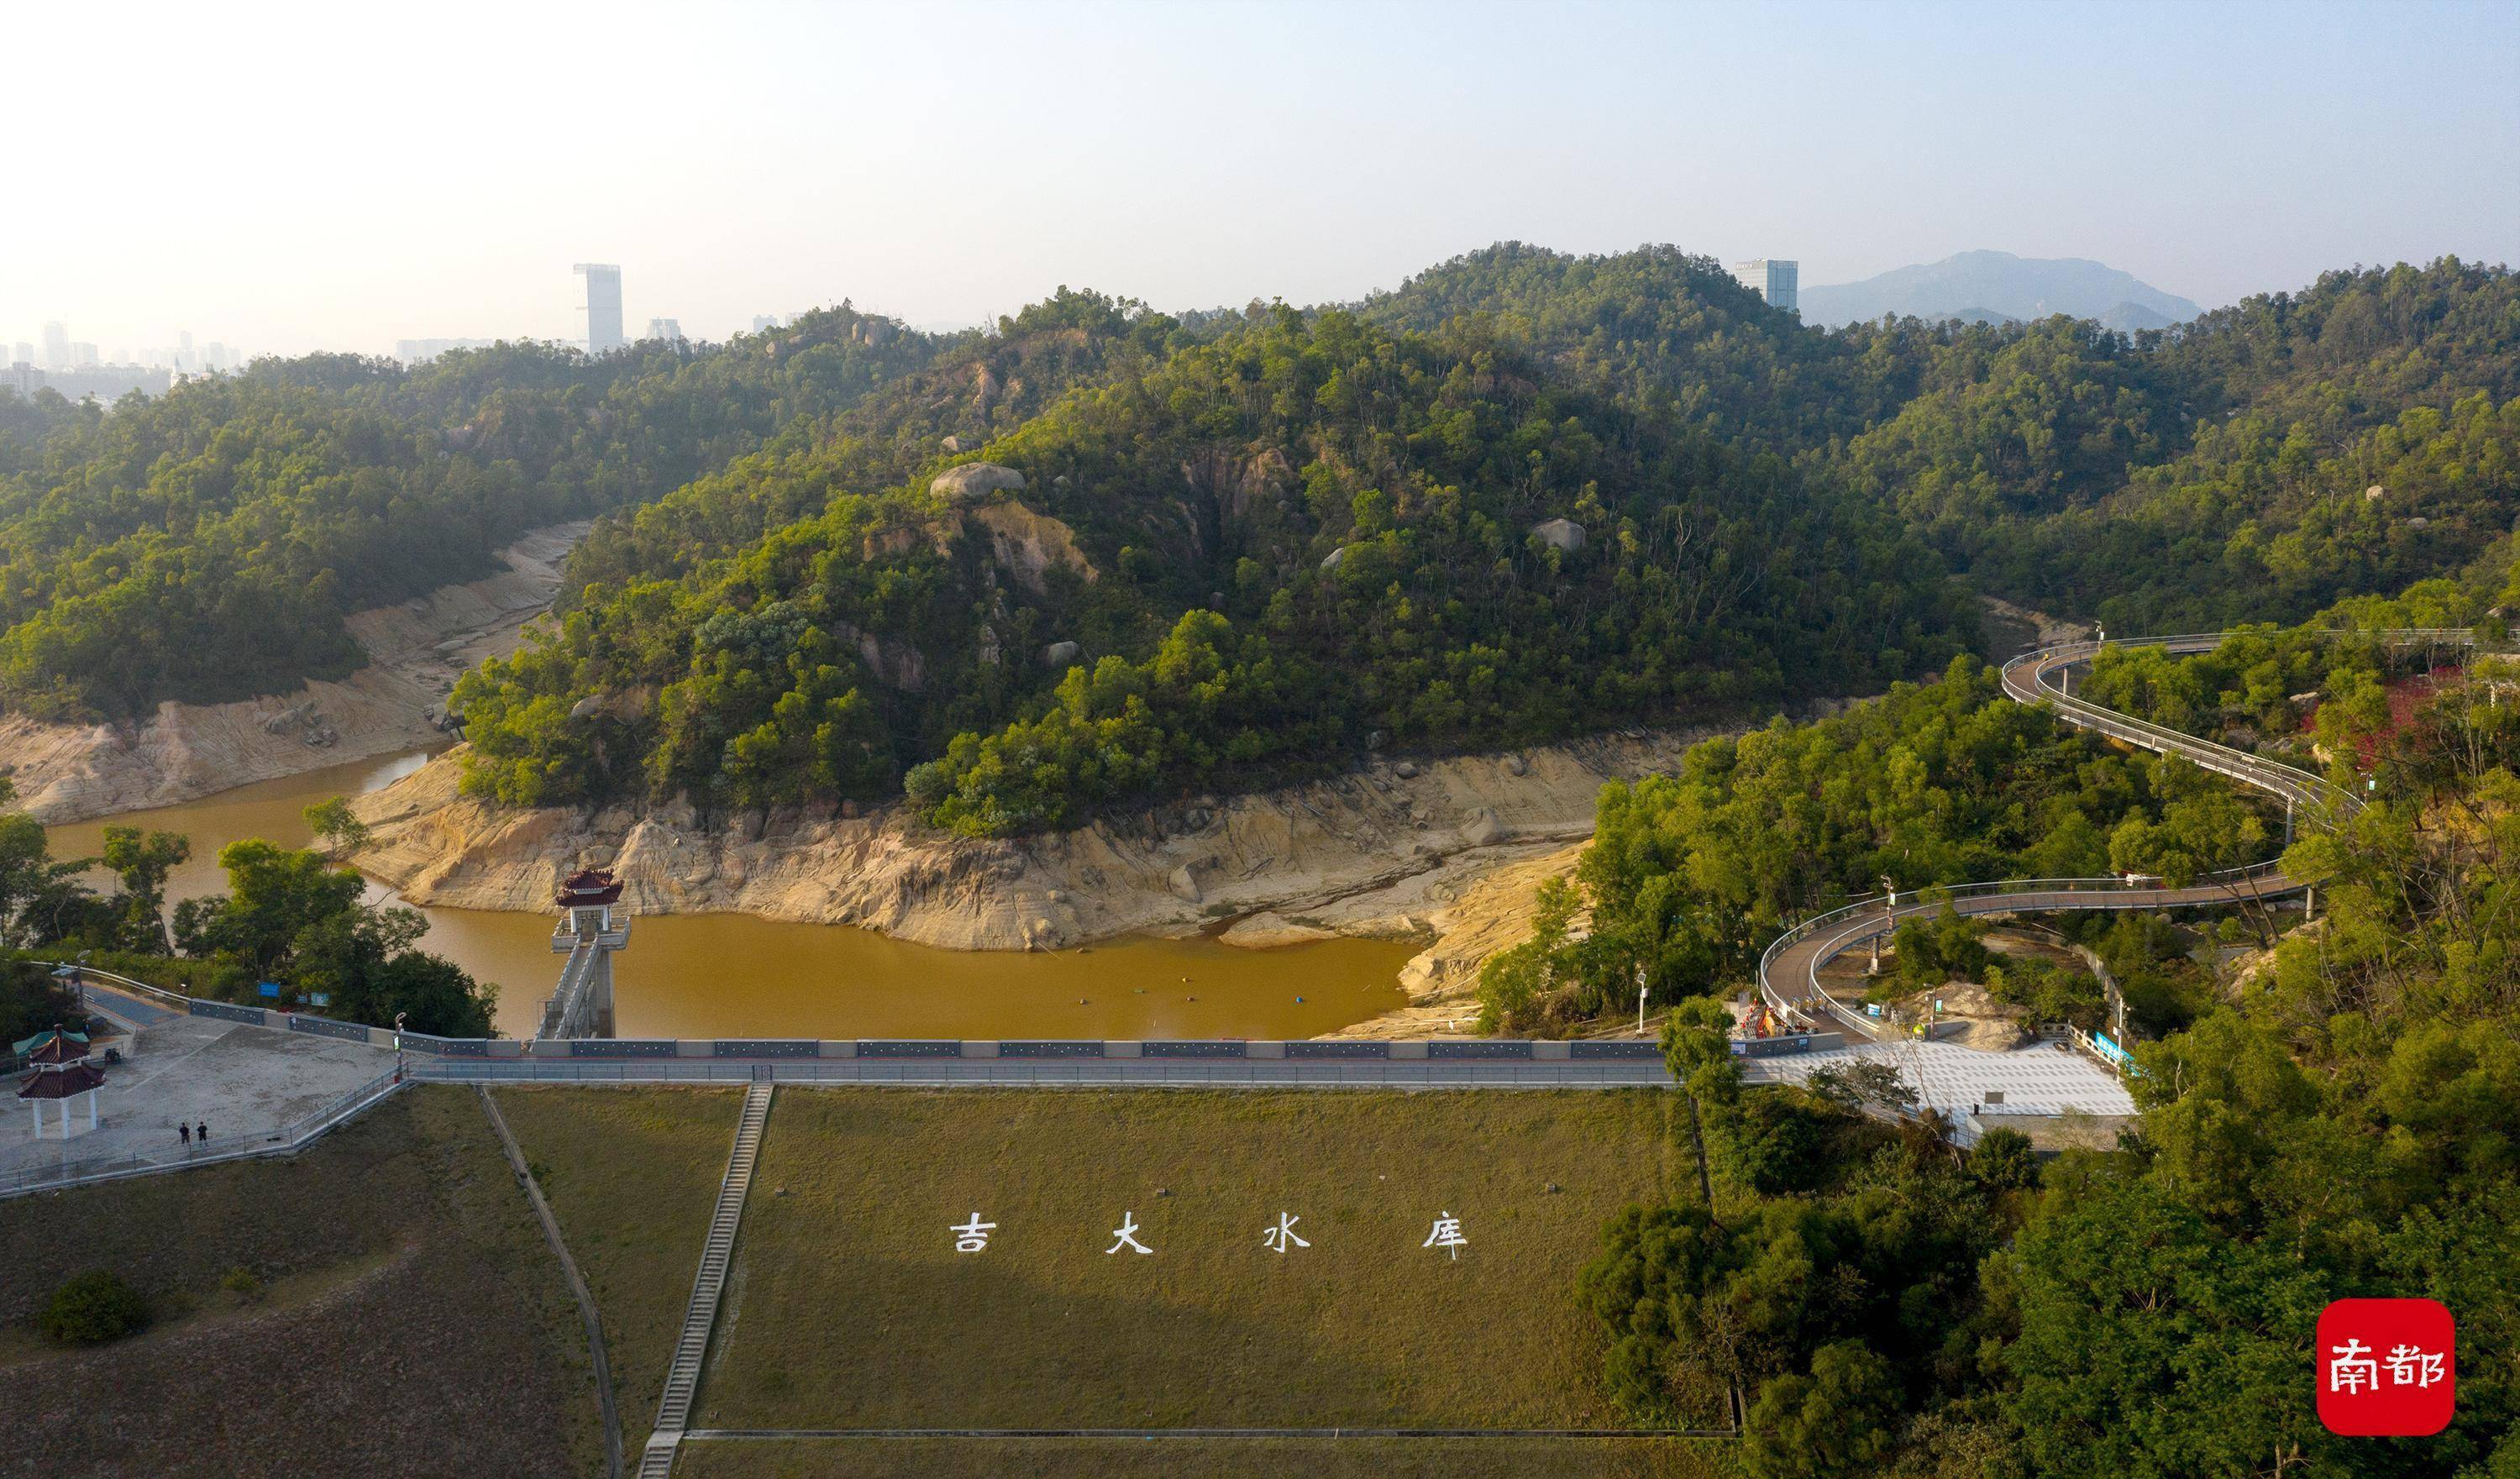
[[591, 928]]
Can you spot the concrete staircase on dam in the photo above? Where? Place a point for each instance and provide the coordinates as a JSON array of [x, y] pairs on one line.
[[683, 1378]]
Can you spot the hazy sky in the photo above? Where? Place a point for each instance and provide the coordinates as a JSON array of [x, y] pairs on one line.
[[343, 175]]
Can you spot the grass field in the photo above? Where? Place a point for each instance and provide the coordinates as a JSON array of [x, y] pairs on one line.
[[631, 1173], [1226, 1459], [848, 1307], [409, 1318]]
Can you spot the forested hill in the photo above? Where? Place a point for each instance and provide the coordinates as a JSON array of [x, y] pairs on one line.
[[1225, 562], [1665, 326], [2217, 471], [204, 544], [1099, 552]]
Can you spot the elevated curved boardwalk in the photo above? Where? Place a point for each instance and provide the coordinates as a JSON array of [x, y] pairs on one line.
[[1789, 970]]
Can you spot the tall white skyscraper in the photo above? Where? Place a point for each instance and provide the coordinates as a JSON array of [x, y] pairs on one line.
[[668, 330], [1772, 279], [57, 346], [602, 306]]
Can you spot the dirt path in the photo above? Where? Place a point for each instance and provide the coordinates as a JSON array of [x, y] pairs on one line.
[[585, 1297]]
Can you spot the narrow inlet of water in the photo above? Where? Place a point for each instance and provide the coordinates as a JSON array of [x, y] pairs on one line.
[[734, 976]]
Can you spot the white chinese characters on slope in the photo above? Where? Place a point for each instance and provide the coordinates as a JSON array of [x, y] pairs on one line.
[[972, 1236], [1278, 1236], [1127, 1233]]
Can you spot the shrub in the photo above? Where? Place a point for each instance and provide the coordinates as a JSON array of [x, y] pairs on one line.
[[92, 1309]]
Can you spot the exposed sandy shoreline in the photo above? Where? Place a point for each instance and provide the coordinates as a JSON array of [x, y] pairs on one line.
[[1387, 850], [416, 649]]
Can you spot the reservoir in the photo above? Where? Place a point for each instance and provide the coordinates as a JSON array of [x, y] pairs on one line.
[[734, 976]]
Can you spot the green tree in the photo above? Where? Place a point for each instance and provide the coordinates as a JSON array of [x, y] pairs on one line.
[[291, 917], [1840, 1420], [275, 895], [1697, 1045], [2002, 1160], [142, 862], [337, 827], [92, 1309], [25, 869]]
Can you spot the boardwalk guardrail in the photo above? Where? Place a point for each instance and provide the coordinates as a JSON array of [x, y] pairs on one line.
[[1789, 968]]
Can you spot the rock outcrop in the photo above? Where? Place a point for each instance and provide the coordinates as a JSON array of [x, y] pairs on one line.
[[1364, 853], [1027, 545], [970, 482], [1490, 910], [1559, 534]]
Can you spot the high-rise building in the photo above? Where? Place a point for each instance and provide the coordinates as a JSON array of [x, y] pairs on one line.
[[21, 353], [1774, 280], [83, 356], [670, 331], [761, 321], [57, 346], [602, 306]]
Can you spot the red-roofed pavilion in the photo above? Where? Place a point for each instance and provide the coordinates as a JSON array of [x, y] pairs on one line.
[[62, 1075]]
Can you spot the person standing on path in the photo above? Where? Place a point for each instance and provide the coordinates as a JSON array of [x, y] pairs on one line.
[[184, 1133], [201, 1132]]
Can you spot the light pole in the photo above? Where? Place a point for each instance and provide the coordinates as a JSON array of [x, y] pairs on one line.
[[1891, 918], [1641, 1001]]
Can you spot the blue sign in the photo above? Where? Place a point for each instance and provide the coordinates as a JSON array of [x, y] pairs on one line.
[[320, 999], [268, 988]]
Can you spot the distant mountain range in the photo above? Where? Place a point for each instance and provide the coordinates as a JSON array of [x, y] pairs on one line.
[[1995, 287]]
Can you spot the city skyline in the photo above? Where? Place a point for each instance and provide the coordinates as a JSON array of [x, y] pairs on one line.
[[1862, 145]]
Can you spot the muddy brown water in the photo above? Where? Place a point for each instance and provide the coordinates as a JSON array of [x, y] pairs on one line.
[[734, 976]]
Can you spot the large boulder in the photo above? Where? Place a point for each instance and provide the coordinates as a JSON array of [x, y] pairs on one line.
[[1333, 560], [1560, 534], [1027, 545], [973, 481], [1059, 655]]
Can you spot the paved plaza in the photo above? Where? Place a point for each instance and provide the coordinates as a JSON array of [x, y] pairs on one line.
[[246, 1083], [2042, 1080]]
